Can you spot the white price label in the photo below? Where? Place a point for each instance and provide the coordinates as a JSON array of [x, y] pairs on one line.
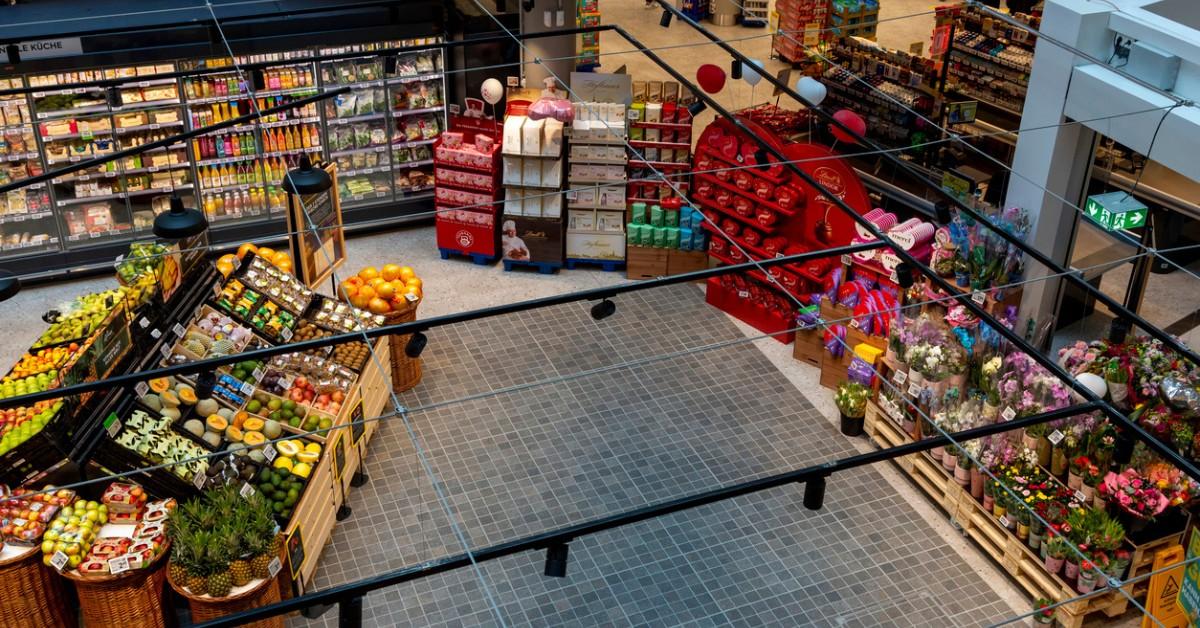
[[286, 333], [978, 297], [1080, 497], [114, 428], [846, 260], [854, 323], [269, 452], [258, 373], [899, 377], [59, 560], [247, 388], [199, 481], [237, 263], [894, 278], [141, 389], [1008, 414], [743, 294], [118, 565], [274, 567], [1056, 437], [217, 291], [914, 389], [410, 296], [1004, 521], [165, 351], [155, 334], [178, 329], [145, 322], [246, 491]]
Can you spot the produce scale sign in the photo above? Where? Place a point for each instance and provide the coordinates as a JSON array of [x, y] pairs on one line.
[[320, 251]]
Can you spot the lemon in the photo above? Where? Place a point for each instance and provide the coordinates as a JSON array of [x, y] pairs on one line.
[[283, 462]]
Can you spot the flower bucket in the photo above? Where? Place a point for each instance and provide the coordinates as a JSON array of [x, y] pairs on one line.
[[998, 510], [1074, 482], [949, 461], [1029, 440], [1035, 540], [1044, 451], [1022, 531], [1070, 570], [977, 484], [962, 475], [958, 380], [990, 412], [1086, 582], [937, 453], [852, 426], [1058, 462], [915, 377], [1089, 493], [1053, 565], [962, 280], [1042, 618], [1118, 391], [1098, 501]]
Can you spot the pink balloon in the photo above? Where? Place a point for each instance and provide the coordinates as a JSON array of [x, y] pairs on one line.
[[711, 78], [852, 121]]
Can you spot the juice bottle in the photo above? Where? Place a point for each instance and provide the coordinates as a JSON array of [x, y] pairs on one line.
[[315, 138], [289, 139], [305, 138]]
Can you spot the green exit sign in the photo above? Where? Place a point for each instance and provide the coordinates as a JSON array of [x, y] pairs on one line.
[[1116, 210]]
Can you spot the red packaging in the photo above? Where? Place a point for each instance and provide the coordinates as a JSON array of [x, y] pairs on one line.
[[751, 237], [743, 207], [723, 198], [730, 226], [763, 189], [742, 179], [765, 217]]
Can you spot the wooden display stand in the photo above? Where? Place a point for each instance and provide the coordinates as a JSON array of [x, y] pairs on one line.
[[645, 262], [30, 594], [133, 599], [808, 347], [679, 262], [1017, 559]]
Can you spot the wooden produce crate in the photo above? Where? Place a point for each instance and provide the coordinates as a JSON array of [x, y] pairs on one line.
[[679, 262], [833, 370], [808, 347], [645, 262], [1020, 562]]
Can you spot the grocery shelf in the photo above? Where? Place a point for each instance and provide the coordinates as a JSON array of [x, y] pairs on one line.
[[285, 153], [27, 246], [10, 218], [16, 127], [71, 113], [120, 195], [367, 195], [411, 164], [353, 119], [149, 104], [217, 161], [400, 113], [357, 84], [290, 122], [367, 149], [18, 156], [413, 143], [412, 79], [235, 186], [98, 235]]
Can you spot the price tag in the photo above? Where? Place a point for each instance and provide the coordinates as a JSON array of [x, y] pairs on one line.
[[155, 334], [854, 323], [199, 481], [119, 564], [274, 567], [1004, 521], [269, 452], [247, 388], [145, 322], [217, 290], [1080, 497], [59, 560], [141, 389], [914, 389], [165, 350], [356, 197], [743, 294], [258, 373], [112, 426], [1008, 414], [899, 377], [19, 218], [155, 126], [978, 297], [411, 297], [246, 490], [237, 261], [178, 329], [1056, 437], [286, 332]]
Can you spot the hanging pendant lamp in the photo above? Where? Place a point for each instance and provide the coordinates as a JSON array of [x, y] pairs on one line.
[[179, 222], [305, 179]]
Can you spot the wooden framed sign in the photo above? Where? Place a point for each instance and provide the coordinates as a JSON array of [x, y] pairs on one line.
[[317, 254]]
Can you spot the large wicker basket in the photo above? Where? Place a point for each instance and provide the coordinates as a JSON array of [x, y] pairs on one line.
[[133, 599], [205, 608], [31, 595], [406, 371]]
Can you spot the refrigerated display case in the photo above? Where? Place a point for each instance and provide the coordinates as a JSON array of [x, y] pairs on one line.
[[380, 134]]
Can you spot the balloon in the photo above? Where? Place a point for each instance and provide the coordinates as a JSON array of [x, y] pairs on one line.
[[811, 89], [852, 122], [492, 91], [750, 72], [711, 78], [1094, 382]]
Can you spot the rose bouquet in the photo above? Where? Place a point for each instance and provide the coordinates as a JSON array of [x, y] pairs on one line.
[[1134, 494]]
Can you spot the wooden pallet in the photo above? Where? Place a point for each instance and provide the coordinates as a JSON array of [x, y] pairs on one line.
[[478, 258], [1020, 562]]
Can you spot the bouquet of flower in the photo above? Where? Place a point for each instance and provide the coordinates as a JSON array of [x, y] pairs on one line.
[[1177, 487], [1079, 357], [851, 399], [1134, 494]]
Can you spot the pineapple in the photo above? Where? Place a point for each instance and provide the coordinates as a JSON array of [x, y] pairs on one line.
[[260, 565], [241, 572], [219, 581], [196, 583]]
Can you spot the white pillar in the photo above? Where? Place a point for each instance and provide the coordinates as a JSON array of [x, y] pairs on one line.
[[1058, 158], [549, 47]]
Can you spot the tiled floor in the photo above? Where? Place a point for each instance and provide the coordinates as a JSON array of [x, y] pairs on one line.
[[547, 456]]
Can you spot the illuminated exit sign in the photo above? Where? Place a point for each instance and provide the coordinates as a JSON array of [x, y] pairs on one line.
[[1116, 210]]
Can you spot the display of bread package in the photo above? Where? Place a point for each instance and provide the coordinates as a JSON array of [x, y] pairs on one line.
[[551, 172], [512, 135], [531, 137], [654, 92], [166, 116], [552, 205], [531, 204], [514, 200], [531, 172], [639, 89], [552, 137], [513, 170]]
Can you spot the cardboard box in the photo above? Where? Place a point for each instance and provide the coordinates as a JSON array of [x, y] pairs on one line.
[[551, 172], [532, 239], [512, 134], [552, 137], [531, 172], [531, 137], [513, 170]]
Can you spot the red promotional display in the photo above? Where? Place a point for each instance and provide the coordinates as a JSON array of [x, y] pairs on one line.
[[770, 212], [467, 179]]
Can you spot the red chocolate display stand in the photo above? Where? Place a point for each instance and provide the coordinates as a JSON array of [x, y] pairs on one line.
[[770, 212], [473, 232]]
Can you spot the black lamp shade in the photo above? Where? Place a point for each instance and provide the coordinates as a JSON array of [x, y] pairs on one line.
[[180, 222], [305, 179], [10, 285]]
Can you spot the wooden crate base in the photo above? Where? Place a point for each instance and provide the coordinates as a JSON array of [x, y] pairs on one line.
[[679, 262], [1020, 562], [643, 262], [808, 347]]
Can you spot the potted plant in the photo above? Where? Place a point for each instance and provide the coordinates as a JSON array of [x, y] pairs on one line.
[[1032, 434], [1037, 531], [1056, 553], [1045, 614], [1117, 379], [1087, 577], [1091, 477], [1078, 467], [962, 470], [1058, 461], [962, 272], [851, 400], [989, 493]]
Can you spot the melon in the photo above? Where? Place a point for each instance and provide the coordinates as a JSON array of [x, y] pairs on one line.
[[313, 448], [186, 394], [288, 448], [213, 439], [169, 399], [226, 414], [152, 401], [258, 456], [253, 424], [205, 407], [253, 439], [234, 434], [216, 423], [308, 457], [172, 414], [160, 384], [272, 429], [194, 427]]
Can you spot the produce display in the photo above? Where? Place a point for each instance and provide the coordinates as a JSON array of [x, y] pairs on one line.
[[25, 515], [222, 540], [31, 384], [122, 528], [352, 355], [254, 308], [42, 361], [20, 424], [277, 282], [151, 438], [382, 291], [342, 318], [82, 318]]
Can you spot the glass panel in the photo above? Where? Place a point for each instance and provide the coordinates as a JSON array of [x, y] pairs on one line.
[[26, 215]]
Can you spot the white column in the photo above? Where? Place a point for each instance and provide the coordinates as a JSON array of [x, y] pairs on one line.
[[1056, 159], [549, 47]]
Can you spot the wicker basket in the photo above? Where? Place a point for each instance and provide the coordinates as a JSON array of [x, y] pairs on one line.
[[406, 371], [133, 599], [31, 595], [205, 608]]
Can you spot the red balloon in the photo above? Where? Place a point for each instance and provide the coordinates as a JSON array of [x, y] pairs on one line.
[[711, 78], [852, 121]]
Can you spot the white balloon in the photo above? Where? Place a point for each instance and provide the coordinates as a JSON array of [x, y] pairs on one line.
[[1094, 382], [750, 73], [811, 89], [492, 91]]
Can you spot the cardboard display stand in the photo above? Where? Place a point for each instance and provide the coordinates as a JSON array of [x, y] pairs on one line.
[[317, 254]]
